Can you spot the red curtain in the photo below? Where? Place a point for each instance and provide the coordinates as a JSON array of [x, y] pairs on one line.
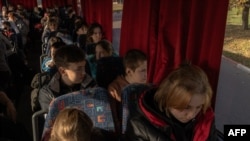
[[28, 4], [171, 31], [74, 4], [52, 3], [99, 11]]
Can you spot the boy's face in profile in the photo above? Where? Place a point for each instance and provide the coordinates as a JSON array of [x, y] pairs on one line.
[[75, 72], [139, 75]]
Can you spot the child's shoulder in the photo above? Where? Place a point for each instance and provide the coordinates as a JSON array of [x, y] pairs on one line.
[[119, 81], [102, 135]]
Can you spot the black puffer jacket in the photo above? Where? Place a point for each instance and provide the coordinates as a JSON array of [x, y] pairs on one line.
[[150, 124]]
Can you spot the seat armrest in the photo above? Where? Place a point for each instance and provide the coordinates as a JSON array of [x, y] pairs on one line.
[[35, 126]]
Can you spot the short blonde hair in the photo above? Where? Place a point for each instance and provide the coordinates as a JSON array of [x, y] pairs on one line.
[[178, 88], [71, 125]]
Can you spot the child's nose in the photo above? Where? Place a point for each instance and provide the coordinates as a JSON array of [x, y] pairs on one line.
[[191, 114]]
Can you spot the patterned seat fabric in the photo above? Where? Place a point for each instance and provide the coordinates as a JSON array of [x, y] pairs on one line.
[[94, 102], [129, 101]]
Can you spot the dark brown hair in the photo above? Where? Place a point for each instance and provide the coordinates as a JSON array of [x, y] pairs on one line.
[[68, 54], [133, 58]]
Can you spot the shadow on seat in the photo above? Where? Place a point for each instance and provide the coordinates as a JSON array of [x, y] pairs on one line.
[[108, 68], [94, 102], [129, 101]]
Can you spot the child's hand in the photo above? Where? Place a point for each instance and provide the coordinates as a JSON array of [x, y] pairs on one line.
[[115, 95], [11, 111], [51, 64]]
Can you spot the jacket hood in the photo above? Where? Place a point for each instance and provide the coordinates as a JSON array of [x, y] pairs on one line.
[[150, 111]]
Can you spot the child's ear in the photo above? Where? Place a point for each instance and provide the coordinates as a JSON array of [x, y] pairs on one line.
[[61, 70], [128, 71]]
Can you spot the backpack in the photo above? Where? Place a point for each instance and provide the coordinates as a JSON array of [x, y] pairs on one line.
[[37, 82]]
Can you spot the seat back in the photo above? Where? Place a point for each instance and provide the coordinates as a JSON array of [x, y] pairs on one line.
[[129, 101], [41, 61], [94, 102], [37, 124], [108, 68]]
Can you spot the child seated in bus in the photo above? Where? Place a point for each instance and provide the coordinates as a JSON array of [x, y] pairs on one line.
[[9, 33], [72, 124], [103, 49], [135, 64], [71, 76], [48, 64], [50, 30], [52, 40], [81, 29], [94, 35], [179, 109]]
